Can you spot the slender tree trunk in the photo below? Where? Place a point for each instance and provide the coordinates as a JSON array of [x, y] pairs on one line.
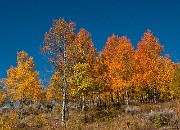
[[77, 106], [127, 96], [65, 112], [91, 102], [147, 99], [83, 103], [154, 90], [123, 99], [100, 103], [97, 101], [64, 107], [105, 102], [118, 100], [112, 100], [142, 99]]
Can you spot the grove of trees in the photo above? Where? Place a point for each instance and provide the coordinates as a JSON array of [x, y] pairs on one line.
[[85, 77]]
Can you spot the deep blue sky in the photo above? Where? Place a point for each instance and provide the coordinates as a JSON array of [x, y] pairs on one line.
[[24, 22]]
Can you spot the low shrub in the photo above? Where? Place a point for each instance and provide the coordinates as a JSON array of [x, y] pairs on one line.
[[132, 109], [8, 121], [40, 121], [159, 121]]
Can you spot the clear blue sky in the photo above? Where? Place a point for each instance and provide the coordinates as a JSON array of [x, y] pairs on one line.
[[24, 22]]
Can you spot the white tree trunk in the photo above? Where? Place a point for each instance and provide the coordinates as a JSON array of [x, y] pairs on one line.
[[65, 112], [83, 103], [154, 90], [127, 100]]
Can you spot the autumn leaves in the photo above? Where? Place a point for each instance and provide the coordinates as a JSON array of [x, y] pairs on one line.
[[118, 70], [22, 81], [118, 54]]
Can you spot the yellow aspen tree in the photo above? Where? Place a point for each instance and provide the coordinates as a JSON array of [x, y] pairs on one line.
[[82, 82], [81, 52], [54, 90], [172, 90], [2, 92], [22, 81]]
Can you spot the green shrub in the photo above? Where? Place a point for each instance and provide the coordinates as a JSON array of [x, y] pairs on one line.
[[159, 121]]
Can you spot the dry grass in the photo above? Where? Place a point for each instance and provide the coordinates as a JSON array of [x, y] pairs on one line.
[[144, 117]]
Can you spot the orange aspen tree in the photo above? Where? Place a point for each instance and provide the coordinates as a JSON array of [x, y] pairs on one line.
[[56, 44], [82, 48], [108, 54], [150, 67], [103, 87], [119, 53], [121, 67]]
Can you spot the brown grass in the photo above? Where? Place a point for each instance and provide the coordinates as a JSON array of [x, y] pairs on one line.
[[143, 117]]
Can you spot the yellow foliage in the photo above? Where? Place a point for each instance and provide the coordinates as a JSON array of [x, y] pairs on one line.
[[22, 81], [7, 122], [54, 90], [81, 80]]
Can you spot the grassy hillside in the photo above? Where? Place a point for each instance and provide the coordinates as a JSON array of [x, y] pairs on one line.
[[140, 116]]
